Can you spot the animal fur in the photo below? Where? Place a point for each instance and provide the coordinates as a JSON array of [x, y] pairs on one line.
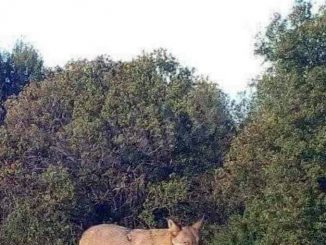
[[106, 234]]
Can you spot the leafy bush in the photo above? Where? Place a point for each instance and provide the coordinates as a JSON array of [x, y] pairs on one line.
[[100, 141], [274, 172]]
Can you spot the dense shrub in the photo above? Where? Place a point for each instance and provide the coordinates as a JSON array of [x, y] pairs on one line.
[[103, 141], [17, 68], [272, 183]]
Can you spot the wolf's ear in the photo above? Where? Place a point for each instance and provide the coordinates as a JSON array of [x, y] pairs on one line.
[[198, 224], [174, 228]]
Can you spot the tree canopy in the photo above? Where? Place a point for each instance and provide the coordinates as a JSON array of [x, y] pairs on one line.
[[18, 67], [134, 142], [104, 141], [274, 177]]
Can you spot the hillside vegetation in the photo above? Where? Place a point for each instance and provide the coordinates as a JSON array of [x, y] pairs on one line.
[[135, 142]]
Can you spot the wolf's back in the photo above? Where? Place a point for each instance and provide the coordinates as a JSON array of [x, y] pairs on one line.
[[117, 235], [105, 234]]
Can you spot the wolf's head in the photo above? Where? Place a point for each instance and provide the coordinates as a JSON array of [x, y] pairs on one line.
[[186, 235]]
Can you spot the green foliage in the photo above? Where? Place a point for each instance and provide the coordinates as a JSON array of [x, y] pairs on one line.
[[135, 142], [276, 167], [165, 198], [103, 141], [17, 68], [45, 218]]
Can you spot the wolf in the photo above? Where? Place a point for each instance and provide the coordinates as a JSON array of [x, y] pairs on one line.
[[175, 234]]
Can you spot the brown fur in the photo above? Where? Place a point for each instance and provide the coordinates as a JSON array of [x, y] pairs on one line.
[[118, 235]]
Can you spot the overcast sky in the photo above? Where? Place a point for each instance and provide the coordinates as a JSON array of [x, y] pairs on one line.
[[214, 36]]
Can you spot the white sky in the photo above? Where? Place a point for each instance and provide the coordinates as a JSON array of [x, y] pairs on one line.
[[214, 36]]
